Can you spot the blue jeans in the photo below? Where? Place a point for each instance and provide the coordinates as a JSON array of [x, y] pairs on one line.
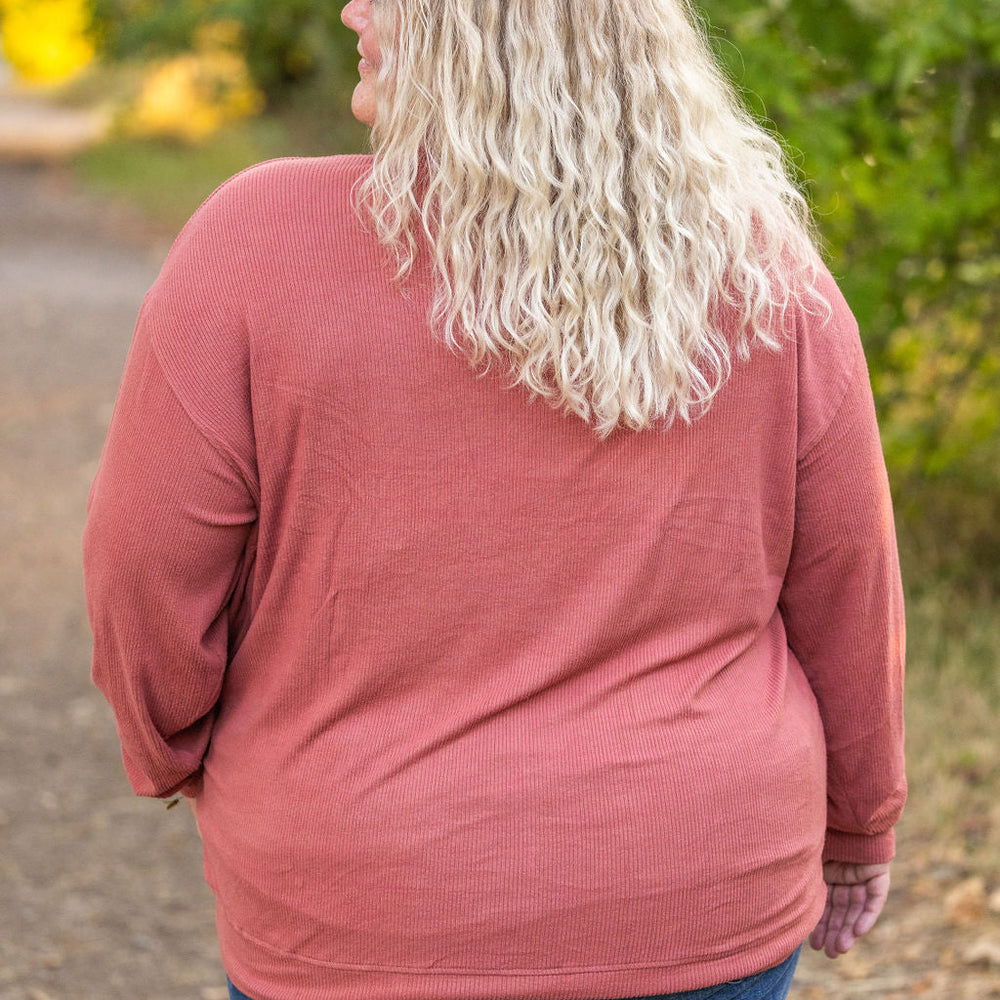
[[771, 984]]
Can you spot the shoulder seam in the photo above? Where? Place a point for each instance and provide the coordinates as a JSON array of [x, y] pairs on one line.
[[218, 446], [852, 373]]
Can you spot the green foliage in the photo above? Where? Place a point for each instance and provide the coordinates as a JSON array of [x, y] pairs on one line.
[[892, 111], [287, 42]]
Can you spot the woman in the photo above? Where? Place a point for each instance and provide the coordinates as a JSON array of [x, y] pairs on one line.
[[493, 537]]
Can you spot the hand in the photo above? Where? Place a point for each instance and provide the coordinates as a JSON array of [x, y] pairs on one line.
[[855, 896]]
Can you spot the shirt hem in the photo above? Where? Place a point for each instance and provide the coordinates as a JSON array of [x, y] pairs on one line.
[[267, 973]]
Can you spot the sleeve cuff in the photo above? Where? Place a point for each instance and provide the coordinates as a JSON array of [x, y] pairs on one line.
[[859, 848]]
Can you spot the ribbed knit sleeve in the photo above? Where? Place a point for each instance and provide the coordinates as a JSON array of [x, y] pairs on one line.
[[842, 597], [171, 512]]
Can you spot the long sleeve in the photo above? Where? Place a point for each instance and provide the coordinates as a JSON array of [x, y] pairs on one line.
[[843, 610], [165, 561]]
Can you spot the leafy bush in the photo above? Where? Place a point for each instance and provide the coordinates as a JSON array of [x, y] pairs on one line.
[[191, 95], [892, 109], [286, 42]]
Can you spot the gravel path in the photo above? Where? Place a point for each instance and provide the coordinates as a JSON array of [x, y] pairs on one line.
[[101, 894]]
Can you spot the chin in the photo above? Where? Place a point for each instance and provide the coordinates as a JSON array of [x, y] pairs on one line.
[[363, 107]]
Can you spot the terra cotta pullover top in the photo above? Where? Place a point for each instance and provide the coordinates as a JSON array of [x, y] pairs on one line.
[[475, 705]]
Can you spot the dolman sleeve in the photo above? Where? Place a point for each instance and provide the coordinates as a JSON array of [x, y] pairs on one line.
[[172, 509], [842, 600]]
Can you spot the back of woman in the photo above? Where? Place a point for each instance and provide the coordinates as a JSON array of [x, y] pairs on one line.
[[556, 674]]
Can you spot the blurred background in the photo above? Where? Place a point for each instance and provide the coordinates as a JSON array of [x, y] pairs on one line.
[[118, 117]]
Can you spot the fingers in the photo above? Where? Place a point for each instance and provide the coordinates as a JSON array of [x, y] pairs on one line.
[[817, 940], [878, 891], [844, 904], [855, 897], [848, 904]]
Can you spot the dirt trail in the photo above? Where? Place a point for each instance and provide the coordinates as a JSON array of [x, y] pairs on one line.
[[101, 894]]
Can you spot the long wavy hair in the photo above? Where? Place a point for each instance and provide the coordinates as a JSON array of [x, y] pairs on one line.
[[605, 219]]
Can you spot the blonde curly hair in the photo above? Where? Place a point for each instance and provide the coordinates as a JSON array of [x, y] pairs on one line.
[[604, 217]]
